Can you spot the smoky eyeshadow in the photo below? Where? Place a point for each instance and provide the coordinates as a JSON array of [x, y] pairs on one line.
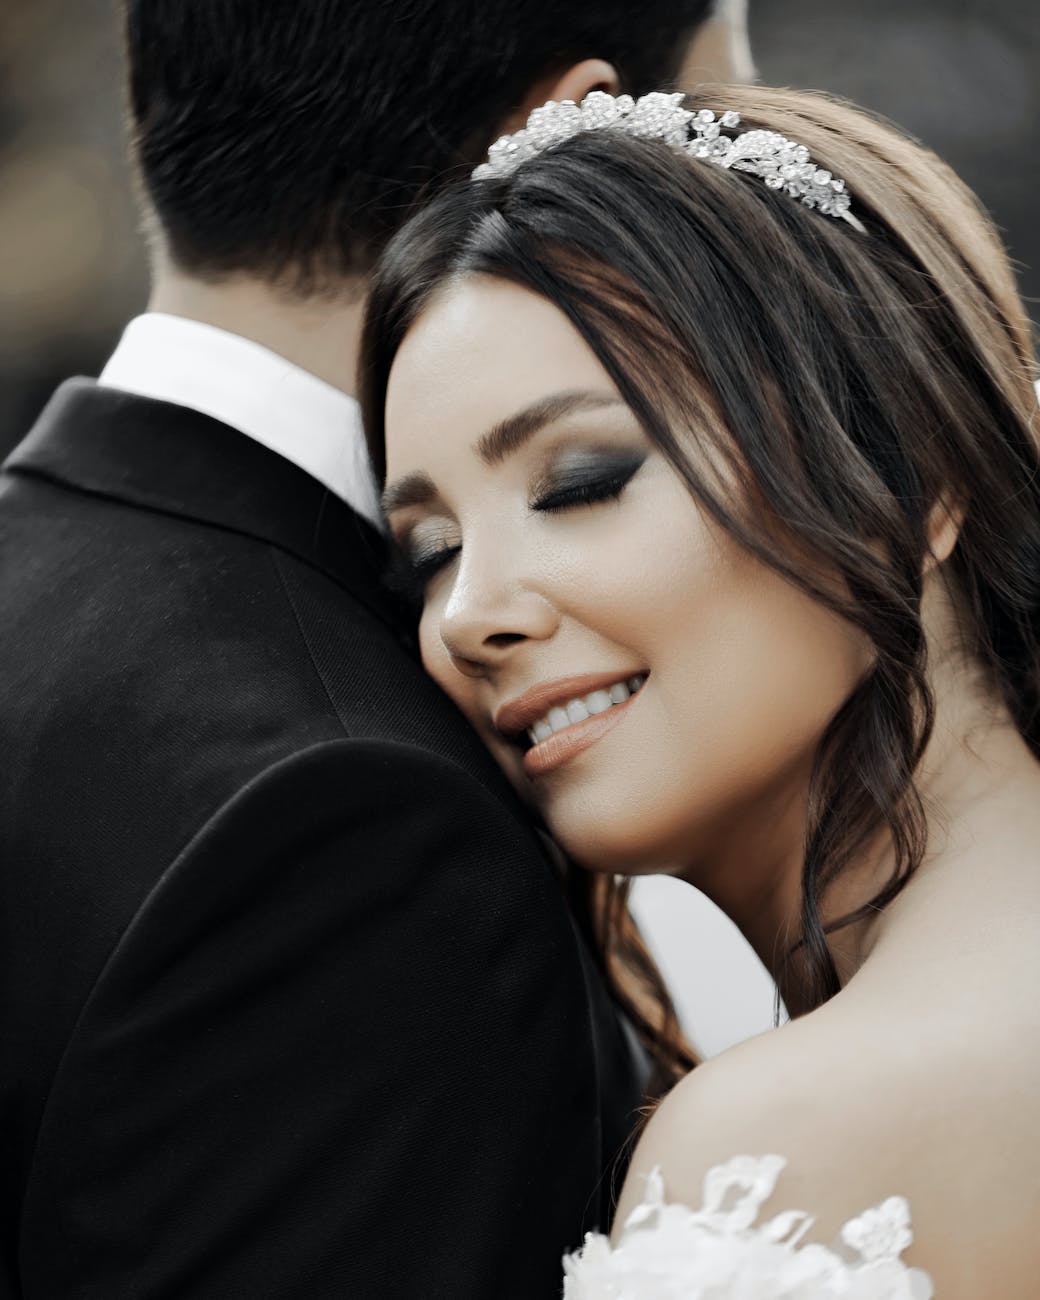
[[582, 467]]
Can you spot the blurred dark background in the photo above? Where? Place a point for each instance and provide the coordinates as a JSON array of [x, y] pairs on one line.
[[962, 75]]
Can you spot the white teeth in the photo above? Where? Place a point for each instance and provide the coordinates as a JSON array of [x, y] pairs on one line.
[[578, 710], [598, 702]]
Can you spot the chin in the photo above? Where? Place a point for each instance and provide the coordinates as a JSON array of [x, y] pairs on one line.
[[612, 844], [661, 832]]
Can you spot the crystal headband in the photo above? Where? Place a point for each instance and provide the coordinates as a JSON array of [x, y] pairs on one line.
[[781, 163]]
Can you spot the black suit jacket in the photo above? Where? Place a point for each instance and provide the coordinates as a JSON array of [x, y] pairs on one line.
[[292, 1005]]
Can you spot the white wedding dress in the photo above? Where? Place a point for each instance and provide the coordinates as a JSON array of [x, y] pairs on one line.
[[668, 1251]]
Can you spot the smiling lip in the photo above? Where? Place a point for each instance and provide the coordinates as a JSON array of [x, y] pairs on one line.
[[514, 718], [564, 745]]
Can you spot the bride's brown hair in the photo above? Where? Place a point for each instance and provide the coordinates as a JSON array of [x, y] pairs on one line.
[[840, 385]]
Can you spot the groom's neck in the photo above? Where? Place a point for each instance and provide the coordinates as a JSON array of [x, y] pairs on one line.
[[319, 334]]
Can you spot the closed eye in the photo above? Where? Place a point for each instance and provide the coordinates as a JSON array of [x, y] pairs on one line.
[[411, 572], [586, 485]]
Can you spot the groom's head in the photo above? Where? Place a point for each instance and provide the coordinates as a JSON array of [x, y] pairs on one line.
[[287, 139]]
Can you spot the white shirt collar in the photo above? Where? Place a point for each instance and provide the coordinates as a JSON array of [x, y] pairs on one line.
[[254, 390]]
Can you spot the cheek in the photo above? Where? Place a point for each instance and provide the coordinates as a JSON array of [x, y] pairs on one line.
[[768, 673], [731, 639], [746, 672], [757, 668], [618, 571]]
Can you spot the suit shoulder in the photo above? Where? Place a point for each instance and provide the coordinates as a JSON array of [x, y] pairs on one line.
[[346, 780], [352, 823]]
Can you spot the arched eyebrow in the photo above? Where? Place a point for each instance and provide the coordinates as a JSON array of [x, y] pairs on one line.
[[502, 440], [412, 490], [510, 434]]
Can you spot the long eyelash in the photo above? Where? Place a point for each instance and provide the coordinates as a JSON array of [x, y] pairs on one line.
[[407, 576], [586, 492]]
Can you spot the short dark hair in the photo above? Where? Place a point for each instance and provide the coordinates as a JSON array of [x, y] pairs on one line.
[[847, 380], [290, 138]]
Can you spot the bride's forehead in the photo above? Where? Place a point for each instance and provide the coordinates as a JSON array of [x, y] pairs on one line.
[[482, 350], [490, 321]]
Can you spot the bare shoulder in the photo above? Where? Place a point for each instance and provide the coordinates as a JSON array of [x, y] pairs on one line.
[[864, 1106], [792, 1092]]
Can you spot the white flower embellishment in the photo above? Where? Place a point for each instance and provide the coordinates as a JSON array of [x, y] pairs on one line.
[[668, 1251]]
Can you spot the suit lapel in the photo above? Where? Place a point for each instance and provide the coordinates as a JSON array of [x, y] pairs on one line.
[[172, 460]]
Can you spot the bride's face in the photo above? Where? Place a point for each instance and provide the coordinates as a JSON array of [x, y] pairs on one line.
[[651, 687]]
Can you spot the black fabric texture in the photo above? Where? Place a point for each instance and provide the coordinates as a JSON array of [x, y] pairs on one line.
[[291, 1004]]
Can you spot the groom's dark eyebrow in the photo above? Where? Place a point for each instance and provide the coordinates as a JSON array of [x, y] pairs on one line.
[[502, 440]]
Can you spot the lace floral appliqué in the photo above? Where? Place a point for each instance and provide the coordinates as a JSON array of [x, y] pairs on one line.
[[670, 1252]]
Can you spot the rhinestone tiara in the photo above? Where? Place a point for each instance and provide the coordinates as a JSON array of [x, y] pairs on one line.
[[781, 163]]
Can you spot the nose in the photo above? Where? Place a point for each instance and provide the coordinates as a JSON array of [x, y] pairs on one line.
[[491, 611]]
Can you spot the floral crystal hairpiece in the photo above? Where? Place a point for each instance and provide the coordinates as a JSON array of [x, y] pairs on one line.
[[781, 163]]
